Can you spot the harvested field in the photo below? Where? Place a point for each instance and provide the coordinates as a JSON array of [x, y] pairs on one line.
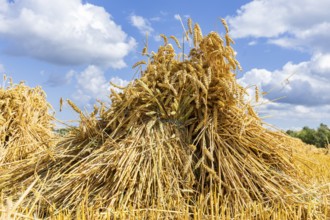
[[180, 142]]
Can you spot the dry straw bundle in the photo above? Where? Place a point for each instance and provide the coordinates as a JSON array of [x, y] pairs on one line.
[[25, 122], [180, 139]]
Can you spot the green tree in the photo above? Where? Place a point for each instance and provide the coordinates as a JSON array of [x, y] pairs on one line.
[[319, 137], [62, 131], [323, 135]]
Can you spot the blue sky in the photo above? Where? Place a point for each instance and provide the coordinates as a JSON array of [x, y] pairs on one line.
[[73, 48]]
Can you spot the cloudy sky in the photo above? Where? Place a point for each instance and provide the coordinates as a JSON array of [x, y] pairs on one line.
[[73, 48]]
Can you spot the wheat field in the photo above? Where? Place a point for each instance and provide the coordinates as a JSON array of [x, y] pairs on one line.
[[179, 142]]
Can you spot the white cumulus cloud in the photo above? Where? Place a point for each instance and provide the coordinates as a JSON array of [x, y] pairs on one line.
[[141, 23], [302, 86], [304, 83], [300, 91], [93, 85], [302, 24], [288, 116], [63, 32]]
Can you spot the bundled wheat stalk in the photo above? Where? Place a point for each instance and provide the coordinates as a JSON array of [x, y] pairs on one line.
[[25, 122], [179, 138]]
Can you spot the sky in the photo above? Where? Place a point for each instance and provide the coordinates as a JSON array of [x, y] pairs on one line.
[[74, 48]]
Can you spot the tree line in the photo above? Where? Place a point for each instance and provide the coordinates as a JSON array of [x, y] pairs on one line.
[[319, 137]]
